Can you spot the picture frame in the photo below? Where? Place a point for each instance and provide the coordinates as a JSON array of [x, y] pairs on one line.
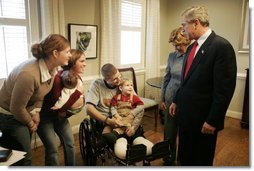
[[245, 32], [84, 37]]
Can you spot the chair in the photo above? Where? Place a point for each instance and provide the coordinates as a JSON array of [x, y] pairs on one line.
[[150, 104]]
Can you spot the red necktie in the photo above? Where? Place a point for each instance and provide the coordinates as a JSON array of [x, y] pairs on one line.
[[190, 58]]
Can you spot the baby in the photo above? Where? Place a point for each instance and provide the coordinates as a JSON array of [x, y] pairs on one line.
[[70, 82]]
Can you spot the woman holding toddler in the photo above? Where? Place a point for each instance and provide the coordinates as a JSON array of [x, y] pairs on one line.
[[58, 106]]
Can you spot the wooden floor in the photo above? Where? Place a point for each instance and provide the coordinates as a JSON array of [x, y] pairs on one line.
[[232, 145]]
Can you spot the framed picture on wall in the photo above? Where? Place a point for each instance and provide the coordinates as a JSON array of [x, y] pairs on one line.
[[245, 32], [84, 37]]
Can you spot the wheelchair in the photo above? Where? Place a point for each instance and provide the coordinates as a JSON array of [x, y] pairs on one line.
[[94, 150]]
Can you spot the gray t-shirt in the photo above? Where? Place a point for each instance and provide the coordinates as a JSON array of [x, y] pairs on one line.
[[100, 95]]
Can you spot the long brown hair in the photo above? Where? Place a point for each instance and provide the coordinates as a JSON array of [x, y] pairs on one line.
[[75, 55], [46, 47]]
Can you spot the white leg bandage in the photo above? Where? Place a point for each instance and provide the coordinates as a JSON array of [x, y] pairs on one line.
[[120, 148], [146, 142]]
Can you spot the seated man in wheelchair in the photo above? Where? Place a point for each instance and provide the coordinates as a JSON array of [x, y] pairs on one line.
[[98, 103]]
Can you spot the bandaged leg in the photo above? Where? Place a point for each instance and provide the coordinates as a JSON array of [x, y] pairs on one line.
[[120, 148], [146, 142]]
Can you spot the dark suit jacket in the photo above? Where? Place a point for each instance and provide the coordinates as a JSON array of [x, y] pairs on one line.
[[205, 93]]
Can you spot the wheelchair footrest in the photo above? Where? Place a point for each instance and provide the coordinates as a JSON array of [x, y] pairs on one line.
[[134, 154], [159, 150]]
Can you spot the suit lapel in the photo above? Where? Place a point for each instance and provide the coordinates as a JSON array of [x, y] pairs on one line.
[[201, 52]]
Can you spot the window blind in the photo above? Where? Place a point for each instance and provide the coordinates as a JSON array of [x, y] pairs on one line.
[[13, 9], [131, 32], [131, 14], [13, 35]]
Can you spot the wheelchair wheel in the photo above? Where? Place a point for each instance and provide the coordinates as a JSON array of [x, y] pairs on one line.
[[86, 138]]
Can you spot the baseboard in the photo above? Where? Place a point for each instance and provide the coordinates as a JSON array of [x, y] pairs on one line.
[[234, 114]]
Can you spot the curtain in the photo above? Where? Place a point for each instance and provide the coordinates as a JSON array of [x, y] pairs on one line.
[[152, 50], [52, 17], [110, 32], [110, 39]]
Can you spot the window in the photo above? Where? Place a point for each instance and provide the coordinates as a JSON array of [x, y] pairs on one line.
[[132, 32], [15, 32]]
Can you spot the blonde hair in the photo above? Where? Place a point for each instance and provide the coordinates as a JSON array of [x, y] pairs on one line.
[[178, 37], [197, 12], [123, 81]]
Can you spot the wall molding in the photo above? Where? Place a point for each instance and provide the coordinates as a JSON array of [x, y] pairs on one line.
[[241, 76]]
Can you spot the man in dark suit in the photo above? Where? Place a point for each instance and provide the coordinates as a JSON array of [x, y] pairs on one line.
[[208, 84]]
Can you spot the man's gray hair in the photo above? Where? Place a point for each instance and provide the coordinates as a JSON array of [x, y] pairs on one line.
[[197, 12]]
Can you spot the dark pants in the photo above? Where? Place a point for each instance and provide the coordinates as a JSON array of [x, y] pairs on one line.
[[16, 136], [196, 149]]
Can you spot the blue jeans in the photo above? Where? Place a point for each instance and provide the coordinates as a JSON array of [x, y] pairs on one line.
[[16, 136], [47, 128]]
